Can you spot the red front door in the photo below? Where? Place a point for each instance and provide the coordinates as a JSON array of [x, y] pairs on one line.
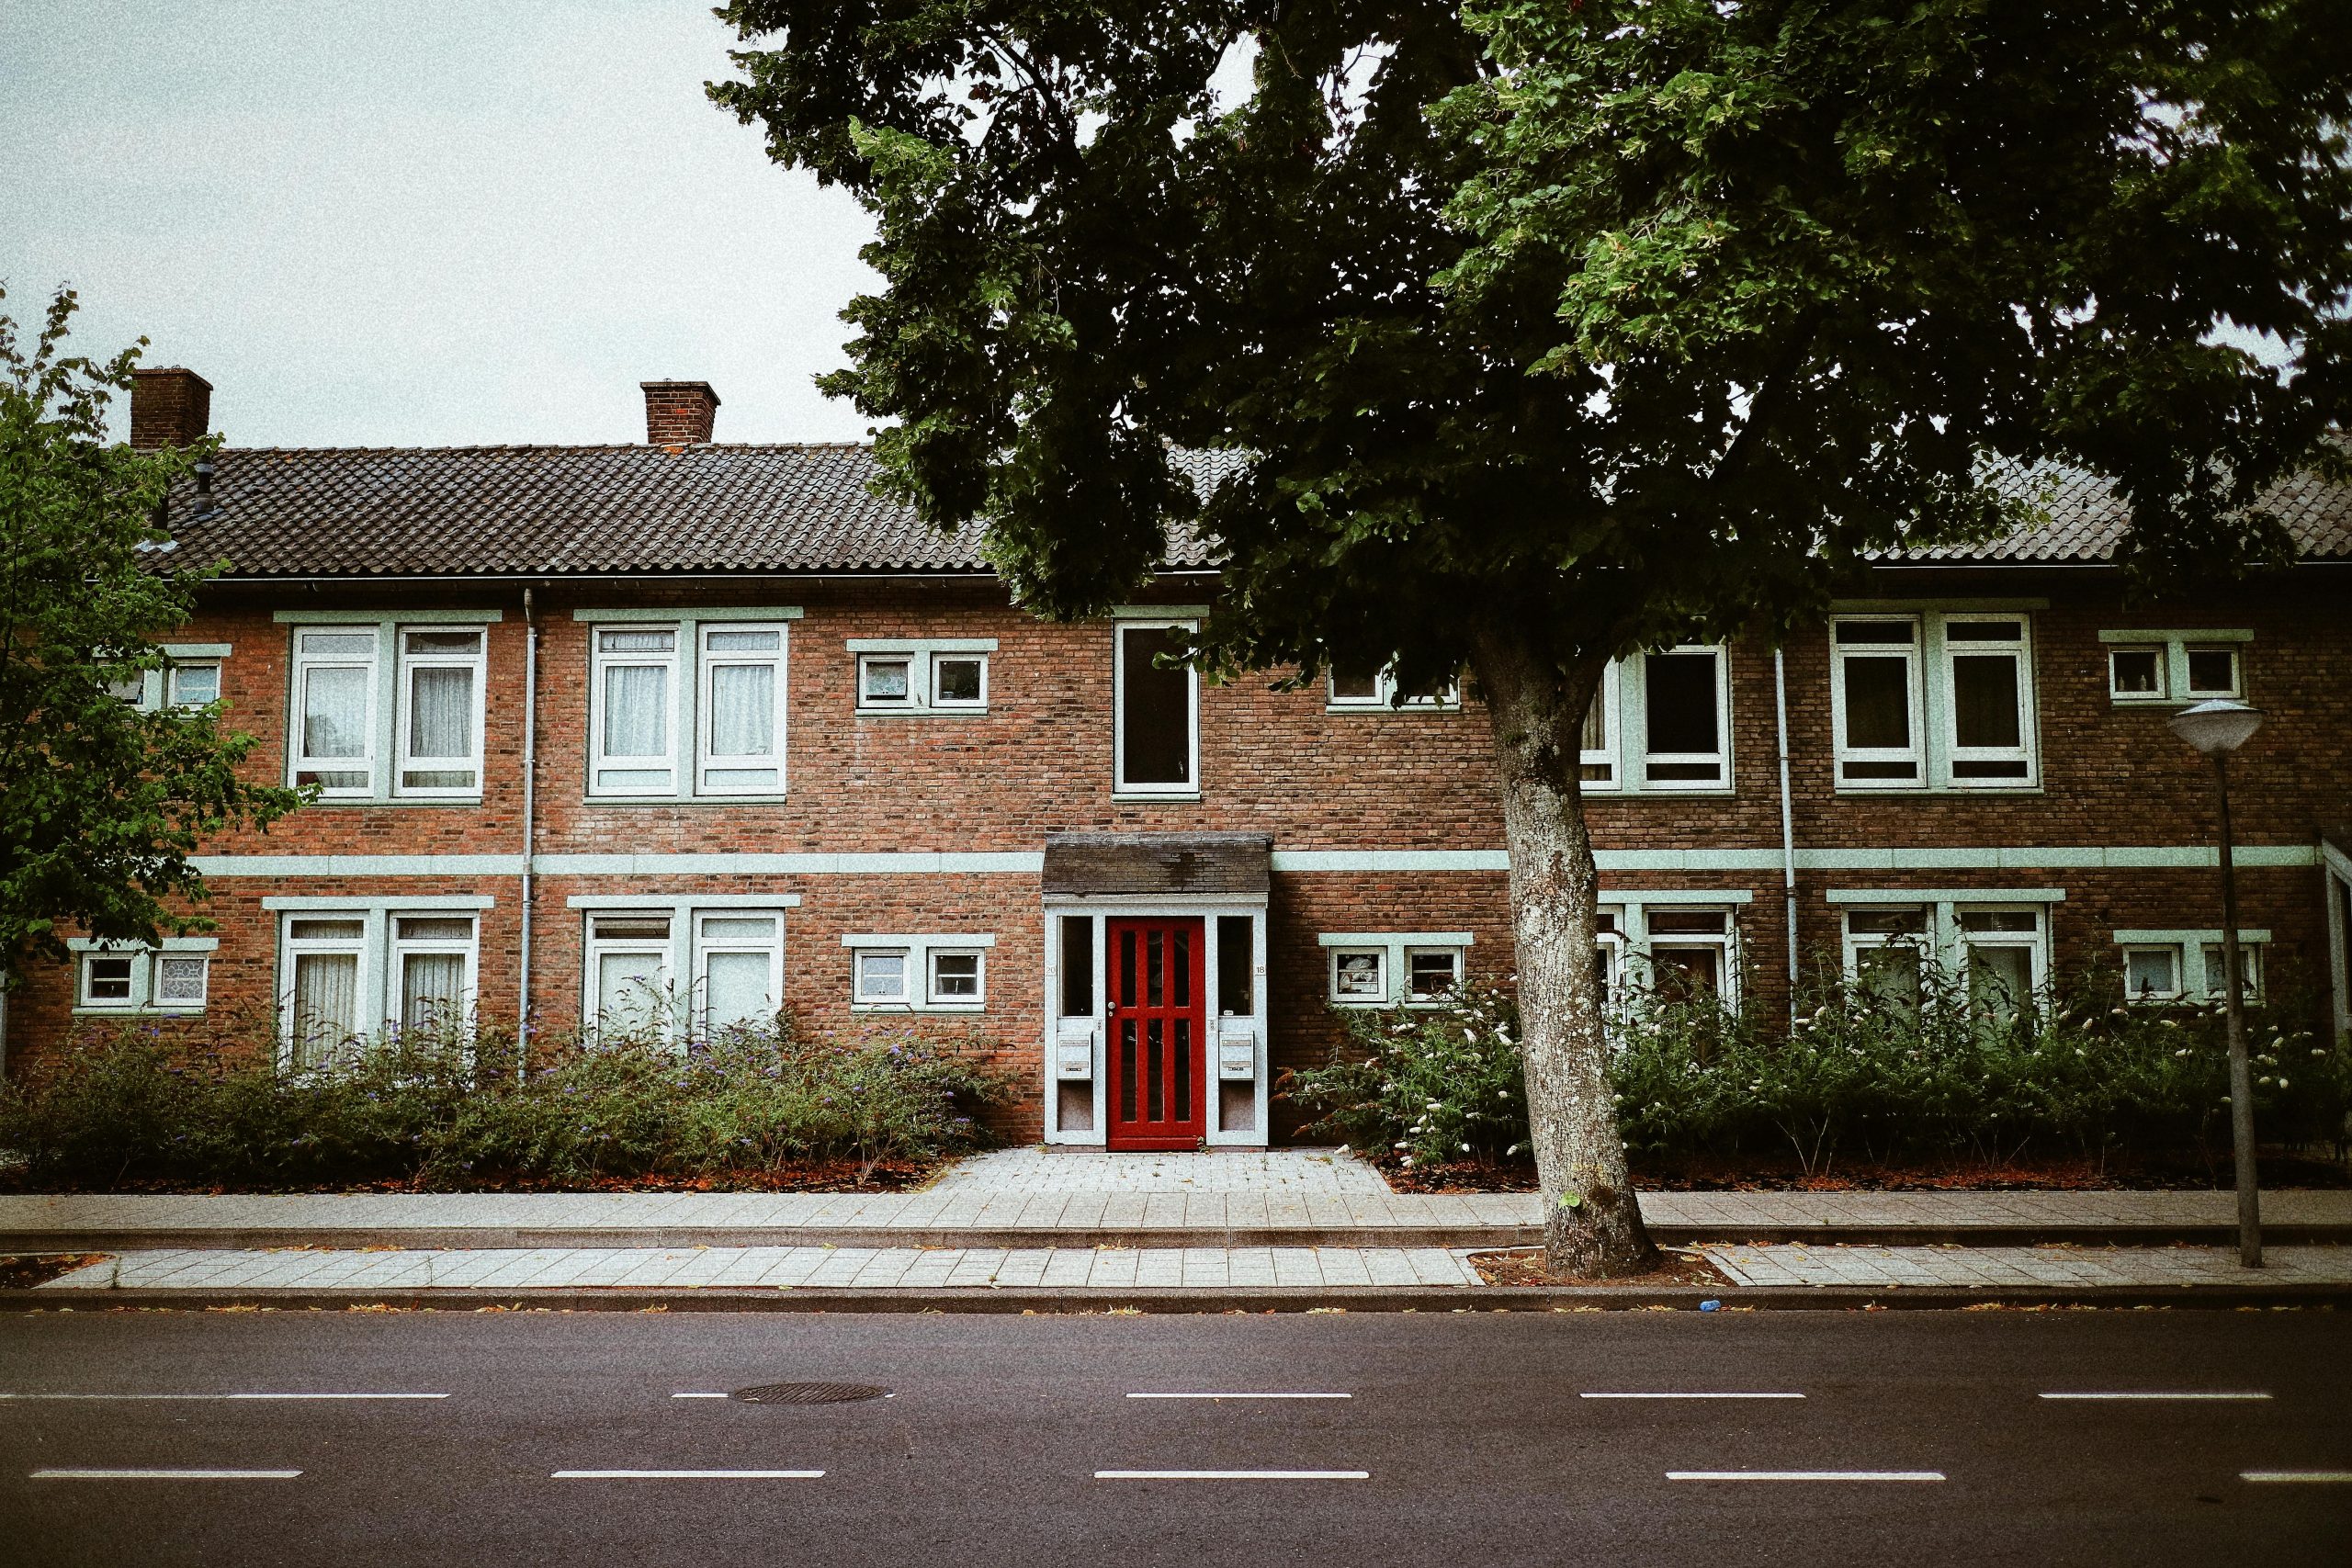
[[1159, 1022]]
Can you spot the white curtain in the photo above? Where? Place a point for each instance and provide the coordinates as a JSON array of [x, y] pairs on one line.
[[636, 711], [628, 989], [433, 990], [334, 713], [742, 710], [735, 989], [441, 722], [326, 1004]]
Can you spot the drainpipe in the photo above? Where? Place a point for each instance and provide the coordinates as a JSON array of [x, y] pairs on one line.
[[1787, 825], [530, 787]]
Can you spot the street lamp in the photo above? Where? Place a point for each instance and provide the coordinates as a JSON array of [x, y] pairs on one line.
[[2218, 729]]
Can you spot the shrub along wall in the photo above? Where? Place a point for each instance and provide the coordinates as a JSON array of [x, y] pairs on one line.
[[449, 1111], [1860, 1078]]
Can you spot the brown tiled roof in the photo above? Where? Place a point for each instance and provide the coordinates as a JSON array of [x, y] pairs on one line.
[[1089, 864], [592, 511], [564, 510]]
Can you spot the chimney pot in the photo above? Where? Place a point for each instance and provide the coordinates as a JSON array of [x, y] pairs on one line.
[[169, 407], [679, 414]]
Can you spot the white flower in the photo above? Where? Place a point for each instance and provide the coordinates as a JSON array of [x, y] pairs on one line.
[[1465, 1148]]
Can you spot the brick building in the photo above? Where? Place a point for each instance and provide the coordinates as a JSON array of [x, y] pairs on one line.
[[708, 727]]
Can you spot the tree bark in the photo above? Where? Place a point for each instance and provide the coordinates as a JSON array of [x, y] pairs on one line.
[[1592, 1219]]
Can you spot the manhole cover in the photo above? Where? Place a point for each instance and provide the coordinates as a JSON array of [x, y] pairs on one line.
[[811, 1393]]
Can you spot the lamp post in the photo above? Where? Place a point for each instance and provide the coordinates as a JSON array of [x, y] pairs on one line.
[[2218, 729]]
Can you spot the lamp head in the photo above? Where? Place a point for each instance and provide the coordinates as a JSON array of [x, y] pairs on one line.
[[2218, 727]]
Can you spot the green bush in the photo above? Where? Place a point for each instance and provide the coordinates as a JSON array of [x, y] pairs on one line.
[[446, 1110], [1860, 1076]]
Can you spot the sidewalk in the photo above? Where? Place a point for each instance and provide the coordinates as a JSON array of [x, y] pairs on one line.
[[951, 1215]]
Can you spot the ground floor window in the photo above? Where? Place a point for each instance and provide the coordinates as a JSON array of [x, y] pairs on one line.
[[1386, 968], [926, 972], [629, 972], [119, 978], [1991, 950], [738, 969], [325, 958]]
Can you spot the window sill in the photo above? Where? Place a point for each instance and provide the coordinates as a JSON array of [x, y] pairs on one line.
[[193, 1010], [606, 800], [1141, 796], [428, 802], [1373, 710], [980, 712], [1946, 792], [918, 1010]]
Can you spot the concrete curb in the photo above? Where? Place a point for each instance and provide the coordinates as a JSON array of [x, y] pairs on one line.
[[450, 1237], [1207, 1299]]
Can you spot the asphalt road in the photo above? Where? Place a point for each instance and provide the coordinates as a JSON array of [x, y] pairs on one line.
[[1472, 1433]]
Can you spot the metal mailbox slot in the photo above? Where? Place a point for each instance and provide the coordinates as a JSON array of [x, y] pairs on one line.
[[1074, 1049], [1237, 1048]]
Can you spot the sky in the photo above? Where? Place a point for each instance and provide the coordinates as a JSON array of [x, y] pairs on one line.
[[418, 222]]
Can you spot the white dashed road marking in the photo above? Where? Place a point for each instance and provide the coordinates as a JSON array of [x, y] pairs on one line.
[[1241, 1397], [2135, 1394], [686, 1474], [164, 1474], [1805, 1476], [223, 1396], [1233, 1476], [1691, 1396]]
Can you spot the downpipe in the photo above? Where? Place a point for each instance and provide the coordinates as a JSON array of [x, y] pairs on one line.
[[1788, 825], [530, 836]]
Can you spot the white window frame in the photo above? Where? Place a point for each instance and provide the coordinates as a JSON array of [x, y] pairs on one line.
[[661, 949], [366, 981], [920, 980], [1603, 766], [2212, 964], [1393, 950], [401, 947], [1456, 957], [370, 762], [708, 944], [1383, 698], [1723, 945], [1189, 788], [176, 698], [2180, 956], [602, 763], [945, 1002], [2201, 975], [404, 762], [1914, 665], [2020, 650], [2172, 648], [706, 663], [1720, 757], [2035, 943], [143, 975], [1854, 943], [922, 657]]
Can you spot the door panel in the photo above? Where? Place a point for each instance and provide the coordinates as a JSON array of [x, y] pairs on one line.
[[1159, 1060]]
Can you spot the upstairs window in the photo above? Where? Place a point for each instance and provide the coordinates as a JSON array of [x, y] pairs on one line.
[[440, 711], [634, 717], [1889, 673], [1686, 708], [1597, 745], [334, 711], [741, 749], [193, 685], [2212, 672], [1360, 691], [1157, 710], [942, 675]]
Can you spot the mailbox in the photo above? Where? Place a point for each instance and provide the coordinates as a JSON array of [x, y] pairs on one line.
[[1074, 1048], [1237, 1048]]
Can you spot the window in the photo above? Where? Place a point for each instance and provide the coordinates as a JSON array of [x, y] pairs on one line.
[[2173, 667], [958, 979], [182, 979], [1157, 710], [1874, 699], [1360, 975], [1078, 966], [1886, 954], [741, 744], [433, 965], [945, 972], [194, 685], [325, 958], [1608, 955], [2217, 971], [634, 699], [1353, 691], [1236, 966], [738, 969], [1598, 747], [1686, 702], [1989, 676], [106, 979], [881, 977], [2003, 959], [1974, 672], [2212, 672], [1689, 952], [440, 711], [2137, 675], [1432, 973], [629, 972], [2152, 973], [334, 711], [933, 675]]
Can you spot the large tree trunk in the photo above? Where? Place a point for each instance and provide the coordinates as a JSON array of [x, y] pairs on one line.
[[1592, 1220]]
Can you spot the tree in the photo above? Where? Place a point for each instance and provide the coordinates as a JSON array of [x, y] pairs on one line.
[[1544, 331], [102, 800]]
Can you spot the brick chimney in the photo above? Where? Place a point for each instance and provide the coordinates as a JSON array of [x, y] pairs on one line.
[[169, 408], [679, 414]]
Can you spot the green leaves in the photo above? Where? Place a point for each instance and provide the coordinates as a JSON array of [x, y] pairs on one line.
[[101, 801]]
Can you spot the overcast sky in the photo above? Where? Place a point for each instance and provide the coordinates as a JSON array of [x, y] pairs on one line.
[[420, 221]]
